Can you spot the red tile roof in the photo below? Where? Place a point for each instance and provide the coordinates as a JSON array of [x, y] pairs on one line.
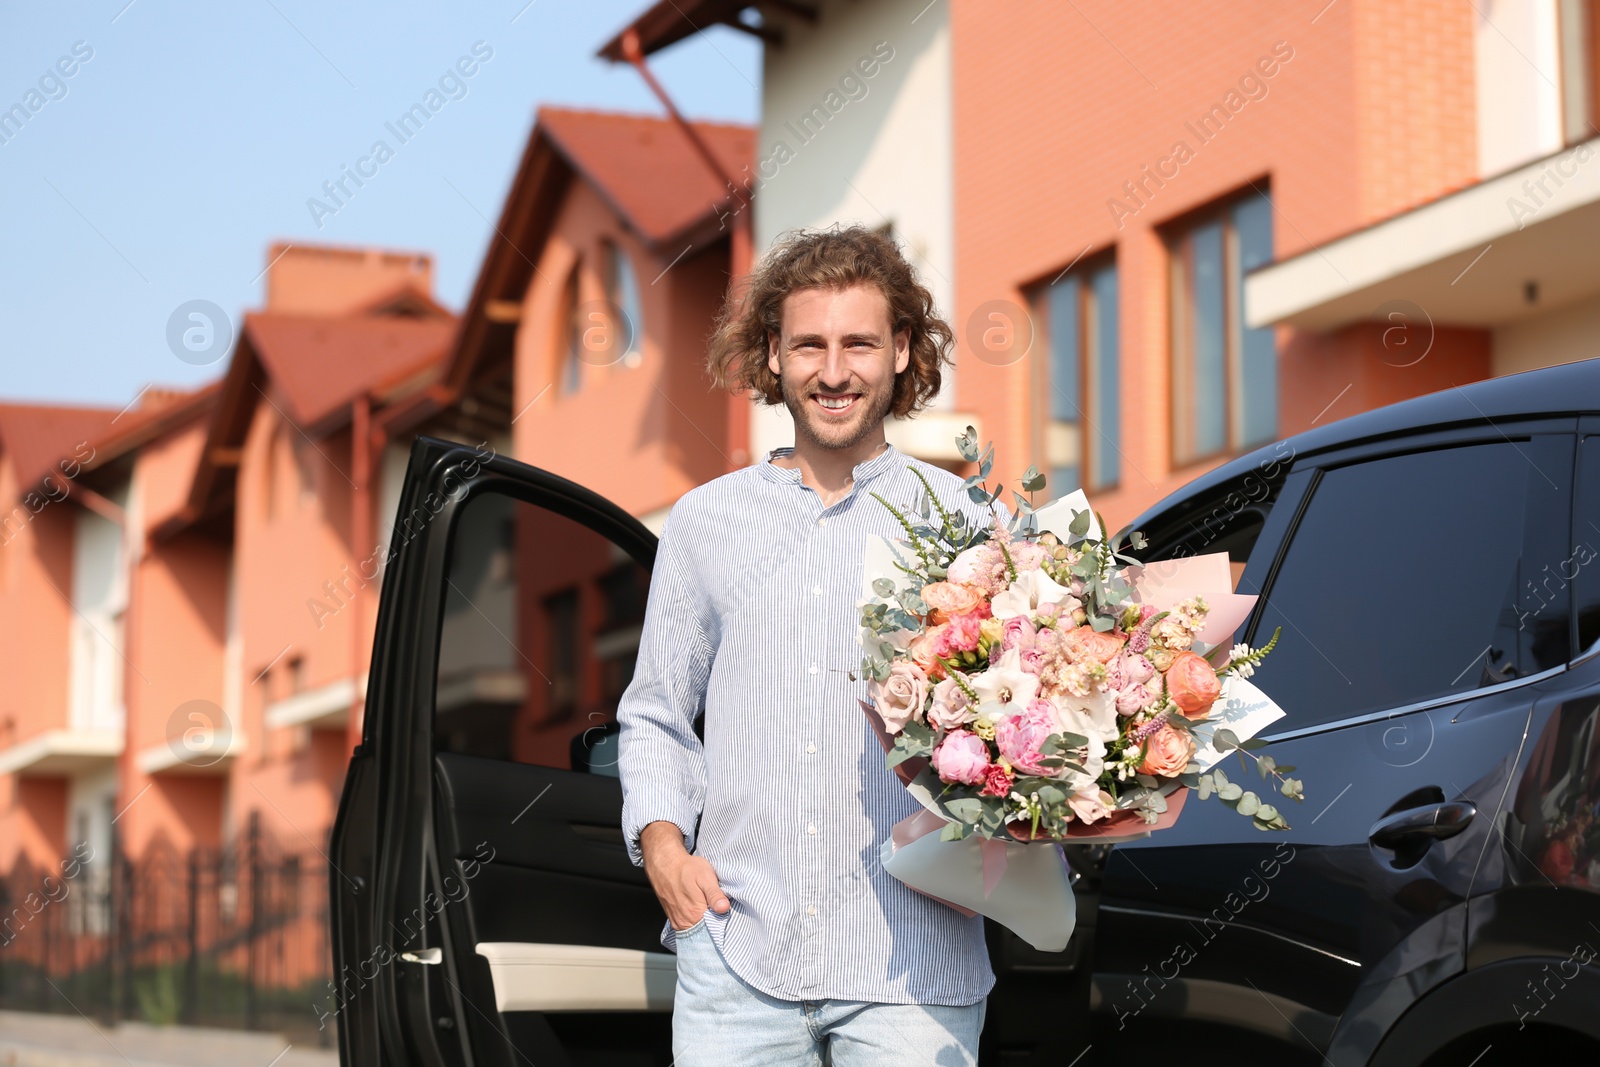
[[322, 364], [645, 166], [34, 437]]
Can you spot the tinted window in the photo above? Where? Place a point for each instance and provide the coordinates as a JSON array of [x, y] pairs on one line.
[[1402, 581], [1582, 568], [541, 629]]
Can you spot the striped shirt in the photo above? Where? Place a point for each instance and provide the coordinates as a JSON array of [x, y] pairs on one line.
[[752, 616]]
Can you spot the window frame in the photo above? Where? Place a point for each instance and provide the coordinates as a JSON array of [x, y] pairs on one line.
[[1091, 444], [1298, 491], [1177, 240]]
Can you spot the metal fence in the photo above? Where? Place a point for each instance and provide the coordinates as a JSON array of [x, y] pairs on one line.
[[234, 937]]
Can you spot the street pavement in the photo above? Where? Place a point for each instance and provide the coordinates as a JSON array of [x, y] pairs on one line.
[[37, 1040]]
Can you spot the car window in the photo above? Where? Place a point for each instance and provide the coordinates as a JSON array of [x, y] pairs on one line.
[[1582, 567], [541, 627], [1228, 519], [1406, 578]]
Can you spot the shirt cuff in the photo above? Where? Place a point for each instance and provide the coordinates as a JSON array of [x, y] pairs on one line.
[[636, 825]]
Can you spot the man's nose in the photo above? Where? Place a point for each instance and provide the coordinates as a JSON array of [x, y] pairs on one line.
[[835, 370]]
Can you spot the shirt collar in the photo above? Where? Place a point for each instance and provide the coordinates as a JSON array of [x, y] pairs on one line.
[[864, 471]]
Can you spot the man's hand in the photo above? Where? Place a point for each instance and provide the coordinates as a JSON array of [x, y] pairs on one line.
[[686, 885]]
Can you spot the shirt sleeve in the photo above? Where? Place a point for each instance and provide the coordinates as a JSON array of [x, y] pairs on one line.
[[661, 762]]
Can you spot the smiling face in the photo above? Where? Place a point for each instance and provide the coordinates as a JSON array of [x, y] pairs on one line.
[[836, 363]]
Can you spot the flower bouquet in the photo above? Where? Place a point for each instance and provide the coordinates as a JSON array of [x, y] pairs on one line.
[[1032, 684]]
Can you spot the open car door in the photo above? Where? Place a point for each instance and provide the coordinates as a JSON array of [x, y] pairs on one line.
[[484, 910]]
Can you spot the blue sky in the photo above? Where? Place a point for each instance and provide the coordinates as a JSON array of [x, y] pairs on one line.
[[159, 171]]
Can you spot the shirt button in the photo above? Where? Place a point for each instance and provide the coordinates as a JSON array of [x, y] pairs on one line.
[[816, 590], [822, 521], [812, 669], [811, 746], [811, 909], [811, 827]]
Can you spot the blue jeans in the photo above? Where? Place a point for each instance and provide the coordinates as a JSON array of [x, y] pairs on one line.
[[719, 1020]]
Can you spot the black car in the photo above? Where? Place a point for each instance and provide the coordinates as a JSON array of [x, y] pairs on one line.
[[1433, 568]]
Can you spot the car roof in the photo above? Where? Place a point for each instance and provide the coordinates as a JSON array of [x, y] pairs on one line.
[[1566, 389]]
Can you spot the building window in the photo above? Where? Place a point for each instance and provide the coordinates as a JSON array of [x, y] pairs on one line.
[[1077, 416], [622, 294], [570, 336], [561, 648], [1224, 376]]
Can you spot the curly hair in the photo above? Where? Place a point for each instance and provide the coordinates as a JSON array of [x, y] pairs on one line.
[[832, 259]]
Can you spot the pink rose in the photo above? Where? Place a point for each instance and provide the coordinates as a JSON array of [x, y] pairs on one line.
[[1192, 684], [951, 708], [996, 781], [962, 757], [899, 700], [1019, 736], [952, 598], [1091, 803], [924, 647], [1167, 752]]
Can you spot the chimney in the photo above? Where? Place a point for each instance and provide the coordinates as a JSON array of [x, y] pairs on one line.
[[309, 279]]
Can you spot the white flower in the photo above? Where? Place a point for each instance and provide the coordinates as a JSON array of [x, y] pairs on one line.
[[1236, 660], [1005, 688], [1031, 591]]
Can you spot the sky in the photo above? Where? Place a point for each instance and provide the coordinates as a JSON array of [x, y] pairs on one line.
[[189, 136]]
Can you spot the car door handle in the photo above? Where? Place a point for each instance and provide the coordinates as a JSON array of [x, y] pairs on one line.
[[431, 956], [1431, 821]]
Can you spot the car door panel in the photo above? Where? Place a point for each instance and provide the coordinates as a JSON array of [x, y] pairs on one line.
[[472, 816], [1294, 935]]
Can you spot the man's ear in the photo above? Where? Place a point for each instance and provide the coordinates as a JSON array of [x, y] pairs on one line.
[[902, 350], [772, 353]]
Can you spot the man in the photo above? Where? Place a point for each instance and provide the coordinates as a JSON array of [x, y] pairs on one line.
[[762, 841]]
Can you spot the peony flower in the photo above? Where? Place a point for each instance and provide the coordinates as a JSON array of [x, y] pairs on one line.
[[980, 566], [1129, 669], [1091, 803], [1019, 736], [951, 708], [1025, 596], [1192, 684], [899, 700], [1005, 688], [1167, 752], [952, 598], [1019, 633], [962, 757], [997, 782], [1135, 698]]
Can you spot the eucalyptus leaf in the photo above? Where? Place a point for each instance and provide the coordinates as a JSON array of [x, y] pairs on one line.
[[1230, 792], [1248, 803], [883, 587], [1267, 812], [967, 809]]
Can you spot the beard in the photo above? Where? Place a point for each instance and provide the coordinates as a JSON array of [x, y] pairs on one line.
[[870, 412]]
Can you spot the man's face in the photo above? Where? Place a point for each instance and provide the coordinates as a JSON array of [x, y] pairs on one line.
[[836, 362]]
